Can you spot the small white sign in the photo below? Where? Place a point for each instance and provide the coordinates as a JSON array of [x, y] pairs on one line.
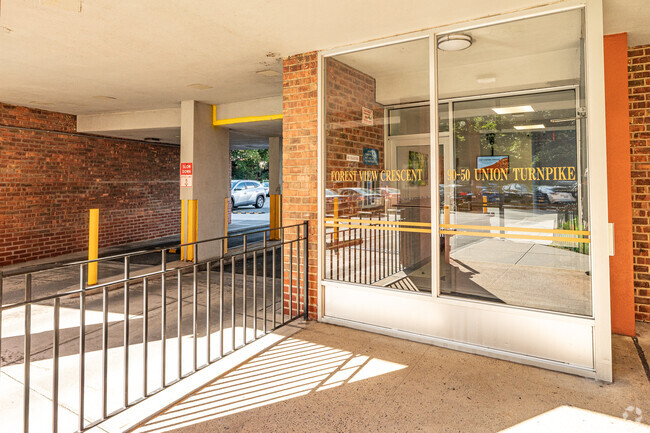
[[186, 174], [367, 117], [353, 158]]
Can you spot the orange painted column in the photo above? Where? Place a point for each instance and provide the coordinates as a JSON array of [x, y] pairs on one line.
[[619, 183]]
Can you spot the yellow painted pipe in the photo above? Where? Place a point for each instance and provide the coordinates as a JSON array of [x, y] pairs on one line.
[[93, 245], [485, 207], [192, 229], [183, 227], [245, 119]]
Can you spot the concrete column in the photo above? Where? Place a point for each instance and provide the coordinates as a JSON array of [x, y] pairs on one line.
[[207, 148], [275, 165]]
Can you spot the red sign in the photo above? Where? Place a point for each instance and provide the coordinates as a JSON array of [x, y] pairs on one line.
[[186, 174], [186, 168]]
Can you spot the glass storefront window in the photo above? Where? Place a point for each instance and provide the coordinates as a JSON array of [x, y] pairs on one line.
[[492, 153], [378, 164], [514, 227], [510, 169]]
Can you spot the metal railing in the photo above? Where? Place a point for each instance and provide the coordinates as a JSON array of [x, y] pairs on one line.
[[220, 304], [364, 254]]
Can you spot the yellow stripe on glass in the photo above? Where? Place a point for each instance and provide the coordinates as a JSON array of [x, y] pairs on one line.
[[461, 230], [378, 227], [515, 229], [513, 236], [455, 229], [381, 222]]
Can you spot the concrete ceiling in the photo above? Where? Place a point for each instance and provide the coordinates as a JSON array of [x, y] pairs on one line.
[[94, 56], [242, 137], [628, 16]]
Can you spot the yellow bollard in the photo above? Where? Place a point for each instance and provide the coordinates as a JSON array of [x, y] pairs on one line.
[[274, 217], [183, 228], [225, 226], [485, 208], [192, 229], [195, 233], [93, 245], [336, 217]]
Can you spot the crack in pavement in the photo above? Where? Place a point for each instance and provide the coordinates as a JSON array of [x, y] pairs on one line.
[[642, 357]]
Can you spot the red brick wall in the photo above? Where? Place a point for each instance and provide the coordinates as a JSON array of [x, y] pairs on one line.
[[639, 99], [300, 159], [348, 91], [50, 177], [23, 117]]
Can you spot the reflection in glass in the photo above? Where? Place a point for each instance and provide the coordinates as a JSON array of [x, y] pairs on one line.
[[513, 186], [378, 200]]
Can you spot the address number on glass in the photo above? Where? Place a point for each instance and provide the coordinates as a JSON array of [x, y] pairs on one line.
[[463, 174]]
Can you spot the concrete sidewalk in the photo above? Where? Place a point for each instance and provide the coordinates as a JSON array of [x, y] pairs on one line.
[[329, 378]]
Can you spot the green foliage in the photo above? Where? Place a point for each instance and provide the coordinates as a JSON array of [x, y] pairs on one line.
[[250, 164], [575, 224], [496, 136]]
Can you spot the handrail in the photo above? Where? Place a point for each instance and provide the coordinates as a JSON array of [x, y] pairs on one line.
[[50, 266], [98, 287], [282, 297]]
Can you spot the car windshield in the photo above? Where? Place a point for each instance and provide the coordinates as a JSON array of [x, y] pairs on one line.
[[232, 183]]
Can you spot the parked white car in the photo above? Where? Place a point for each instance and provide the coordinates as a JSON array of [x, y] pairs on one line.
[[246, 192]]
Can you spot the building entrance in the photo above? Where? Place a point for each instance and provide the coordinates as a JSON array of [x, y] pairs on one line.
[[468, 226]]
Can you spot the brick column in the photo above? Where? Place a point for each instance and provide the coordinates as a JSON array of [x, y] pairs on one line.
[[639, 99], [300, 164]]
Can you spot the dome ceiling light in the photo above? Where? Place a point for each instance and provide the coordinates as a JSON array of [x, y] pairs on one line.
[[454, 42]]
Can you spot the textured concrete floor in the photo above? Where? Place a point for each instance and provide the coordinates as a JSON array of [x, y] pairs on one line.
[[329, 378]]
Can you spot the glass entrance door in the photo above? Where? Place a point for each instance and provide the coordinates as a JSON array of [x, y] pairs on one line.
[[514, 226], [412, 153]]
